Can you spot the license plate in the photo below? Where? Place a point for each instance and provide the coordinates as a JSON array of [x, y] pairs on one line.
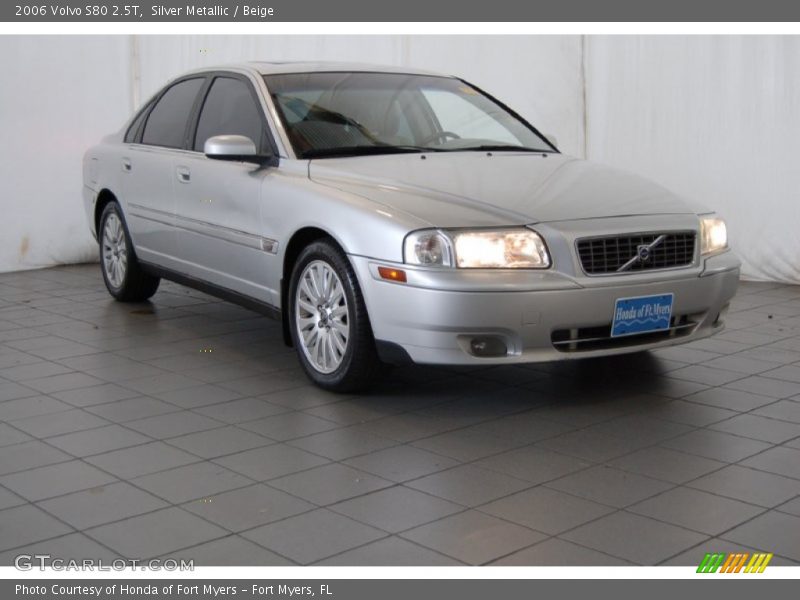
[[643, 314]]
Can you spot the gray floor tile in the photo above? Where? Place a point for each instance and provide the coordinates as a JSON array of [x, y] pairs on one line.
[[312, 536], [690, 413], [249, 507], [289, 426], [473, 537], [230, 551], [141, 460], [73, 546], [97, 441], [242, 410], [30, 407], [52, 424], [696, 510], [173, 425], [341, 444], [786, 410], [131, 409], [546, 510], [731, 399], [98, 394], [637, 539], [592, 446], [392, 552], [792, 507], [666, 465], [8, 499], [26, 524], [29, 455], [609, 486], [466, 445], [401, 463], [193, 481], [59, 383], [155, 534], [270, 462], [716, 445], [772, 532], [329, 483], [749, 485], [55, 480], [468, 485], [219, 442], [523, 429], [198, 396], [640, 429], [10, 436], [555, 552], [780, 460], [165, 382], [706, 375], [759, 428], [775, 388], [396, 509], [11, 391], [102, 504]]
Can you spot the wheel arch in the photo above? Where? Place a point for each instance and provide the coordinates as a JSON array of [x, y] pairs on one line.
[[104, 198]]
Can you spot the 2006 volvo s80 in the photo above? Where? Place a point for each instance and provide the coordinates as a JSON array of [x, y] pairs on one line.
[[391, 215]]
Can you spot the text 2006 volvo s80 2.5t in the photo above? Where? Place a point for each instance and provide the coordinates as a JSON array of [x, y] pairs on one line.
[[390, 215]]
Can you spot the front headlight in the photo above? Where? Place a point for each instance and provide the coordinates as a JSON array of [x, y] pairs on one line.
[[713, 235], [518, 248]]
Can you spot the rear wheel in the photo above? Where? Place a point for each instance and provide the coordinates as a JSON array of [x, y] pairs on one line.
[[124, 277], [329, 322]]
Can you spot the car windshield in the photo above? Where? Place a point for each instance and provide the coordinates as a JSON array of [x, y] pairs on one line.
[[329, 114]]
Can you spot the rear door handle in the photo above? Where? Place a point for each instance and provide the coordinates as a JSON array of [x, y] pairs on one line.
[[184, 174], [126, 165]]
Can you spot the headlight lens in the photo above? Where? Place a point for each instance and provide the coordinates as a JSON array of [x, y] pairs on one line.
[[504, 249], [713, 235]]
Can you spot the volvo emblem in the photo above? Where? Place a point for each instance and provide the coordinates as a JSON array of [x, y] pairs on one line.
[[643, 254]]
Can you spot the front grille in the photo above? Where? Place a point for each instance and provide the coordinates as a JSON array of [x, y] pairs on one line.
[[602, 255], [585, 339]]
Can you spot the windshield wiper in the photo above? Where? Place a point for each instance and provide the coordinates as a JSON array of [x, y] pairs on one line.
[[498, 148], [365, 150]]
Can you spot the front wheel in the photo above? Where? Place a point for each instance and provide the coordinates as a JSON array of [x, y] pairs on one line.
[[329, 322]]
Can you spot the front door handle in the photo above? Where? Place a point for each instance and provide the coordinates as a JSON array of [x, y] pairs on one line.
[[184, 174], [126, 165]]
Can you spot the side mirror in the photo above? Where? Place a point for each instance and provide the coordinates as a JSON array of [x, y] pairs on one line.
[[234, 147], [552, 139]]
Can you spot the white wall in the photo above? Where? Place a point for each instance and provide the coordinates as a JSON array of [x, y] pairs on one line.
[[58, 95], [715, 118]]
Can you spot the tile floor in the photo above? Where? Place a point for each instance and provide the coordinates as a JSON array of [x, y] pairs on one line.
[[184, 429]]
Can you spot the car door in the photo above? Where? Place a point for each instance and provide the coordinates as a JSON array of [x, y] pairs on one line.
[[148, 170], [219, 202]]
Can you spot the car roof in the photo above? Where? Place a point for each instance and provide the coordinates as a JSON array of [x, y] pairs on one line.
[[278, 67]]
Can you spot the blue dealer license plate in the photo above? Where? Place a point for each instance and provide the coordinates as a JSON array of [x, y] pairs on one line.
[[644, 314]]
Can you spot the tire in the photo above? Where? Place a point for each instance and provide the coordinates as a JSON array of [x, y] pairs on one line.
[[329, 323], [123, 275]]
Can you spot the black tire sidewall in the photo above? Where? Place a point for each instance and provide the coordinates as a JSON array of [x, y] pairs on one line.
[[326, 252]]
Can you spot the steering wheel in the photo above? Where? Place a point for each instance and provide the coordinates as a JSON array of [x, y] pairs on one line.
[[440, 135]]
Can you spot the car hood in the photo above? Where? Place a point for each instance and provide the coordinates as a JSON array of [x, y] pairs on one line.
[[467, 189]]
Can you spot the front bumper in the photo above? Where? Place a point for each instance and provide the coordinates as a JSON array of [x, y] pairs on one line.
[[436, 315]]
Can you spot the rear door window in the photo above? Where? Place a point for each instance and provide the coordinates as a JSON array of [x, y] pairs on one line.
[[166, 124]]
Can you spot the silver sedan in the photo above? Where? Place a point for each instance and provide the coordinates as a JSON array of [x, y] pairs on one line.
[[392, 216]]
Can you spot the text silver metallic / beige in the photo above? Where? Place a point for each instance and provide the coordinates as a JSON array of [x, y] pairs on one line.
[[390, 215]]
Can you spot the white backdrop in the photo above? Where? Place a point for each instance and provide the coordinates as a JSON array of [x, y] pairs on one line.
[[713, 118], [716, 118]]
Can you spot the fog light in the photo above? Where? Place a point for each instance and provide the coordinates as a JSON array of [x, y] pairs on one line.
[[487, 346]]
